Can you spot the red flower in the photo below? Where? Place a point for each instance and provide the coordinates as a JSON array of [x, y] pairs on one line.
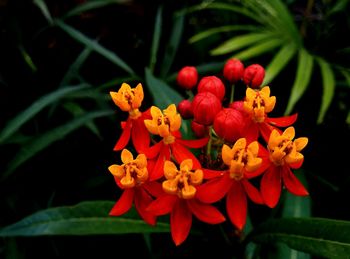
[[205, 106], [187, 77], [179, 200], [213, 85], [228, 124], [233, 70]]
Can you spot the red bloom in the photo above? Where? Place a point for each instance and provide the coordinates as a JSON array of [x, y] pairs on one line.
[[233, 70], [228, 124], [187, 77], [205, 106], [213, 85]]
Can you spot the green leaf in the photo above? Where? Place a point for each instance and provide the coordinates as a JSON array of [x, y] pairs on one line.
[[258, 49], [94, 45], [239, 42], [279, 61], [163, 95], [85, 218], [156, 39], [46, 139], [318, 236], [304, 71], [43, 8], [14, 124], [328, 87]]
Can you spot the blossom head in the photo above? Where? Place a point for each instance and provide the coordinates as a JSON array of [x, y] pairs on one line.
[[233, 70], [205, 106], [258, 103], [181, 182], [133, 172], [187, 77], [213, 85], [163, 123], [228, 124], [129, 99], [240, 157], [283, 149], [253, 75], [185, 109]]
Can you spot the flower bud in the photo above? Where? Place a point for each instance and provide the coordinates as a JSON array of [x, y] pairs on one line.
[[205, 106], [228, 124], [185, 109], [213, 85], [233, 70], [199, 130], [187, 77], [253, 75]]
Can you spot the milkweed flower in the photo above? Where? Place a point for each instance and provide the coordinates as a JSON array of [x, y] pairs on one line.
[[283, 154], [243, 164], [133, 177], [257, 104], [129, 100], [179, 200], [166, 124]]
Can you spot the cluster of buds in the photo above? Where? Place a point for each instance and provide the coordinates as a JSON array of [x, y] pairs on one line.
[[237, 141]]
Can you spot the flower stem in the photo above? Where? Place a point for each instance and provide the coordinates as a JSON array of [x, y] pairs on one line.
[[209, 143], [232, 93]]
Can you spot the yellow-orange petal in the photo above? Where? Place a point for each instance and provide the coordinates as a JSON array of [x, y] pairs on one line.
[[186, 164], [170, 170], [226, 154], [300, 143], [117, 170], [289, 133], [141, 161], [253, 147], [197, 177], [170, 186], [151, 126], [139, 95], [126, 156], [188, 192]]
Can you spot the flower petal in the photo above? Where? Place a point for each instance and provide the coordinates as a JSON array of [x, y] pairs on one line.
[[205, 212], [271, 186], [181, 153], [139, 135], [265, 130], [124, 203], [154, 188], [180, 222], [162, 205], [195, 143], [251, 132], [154, 150], [236, 205], [209, 174], [284, 121], [214, 190], [124, 137], [158, 170], [142, 200], [252, 192], [292, 183]]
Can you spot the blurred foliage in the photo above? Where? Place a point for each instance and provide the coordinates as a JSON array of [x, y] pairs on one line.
[[60, 59]]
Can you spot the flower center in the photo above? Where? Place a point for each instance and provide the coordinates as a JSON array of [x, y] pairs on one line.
[[132, 175]]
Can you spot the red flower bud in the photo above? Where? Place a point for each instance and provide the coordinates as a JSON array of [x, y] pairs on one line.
[[199, 130], [213, 85], [237, 105], [233, 70], [205, 106], [228, 124], [185, 109], [187, 77], [254, 75]]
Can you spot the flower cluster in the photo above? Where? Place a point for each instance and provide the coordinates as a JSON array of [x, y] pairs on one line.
[[235, 141]]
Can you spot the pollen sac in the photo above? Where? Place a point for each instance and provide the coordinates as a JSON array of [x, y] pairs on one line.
[[283, 149], [181, 182], [128, 99], [133, 172], [259, 103], [241, 157]]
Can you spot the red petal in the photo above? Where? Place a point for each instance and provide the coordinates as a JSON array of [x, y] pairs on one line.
[[271, 186], [140, 135], [162, 205], [292, 183], [154, 188], [284, 121], [142, 200], [210, 174], [214, 190], [252, 192], [196, 143], [181, 153], [125, 136], [266, 162], [180, 222], [158, 170], [177, 134], [154, 150], [205, 212], [251, 132], [236, 205], [265, 130], [296, 165], [124, 203]]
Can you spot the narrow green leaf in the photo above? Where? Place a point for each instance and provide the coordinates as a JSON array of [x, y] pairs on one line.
[[85, 218], [156, 39], [227, 28], [303, 76], [279, 61], [173, 44], [43, 8], [338, 6], [328, 82], [92, 5], [14, 124], [258, 49], [27, 58], [346, 75], [94, 45], [318, 236], [46, 139], [163, 95], [239, 42]]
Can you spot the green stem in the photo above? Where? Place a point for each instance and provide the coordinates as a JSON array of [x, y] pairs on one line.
[[232, 93], [209, 143]]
